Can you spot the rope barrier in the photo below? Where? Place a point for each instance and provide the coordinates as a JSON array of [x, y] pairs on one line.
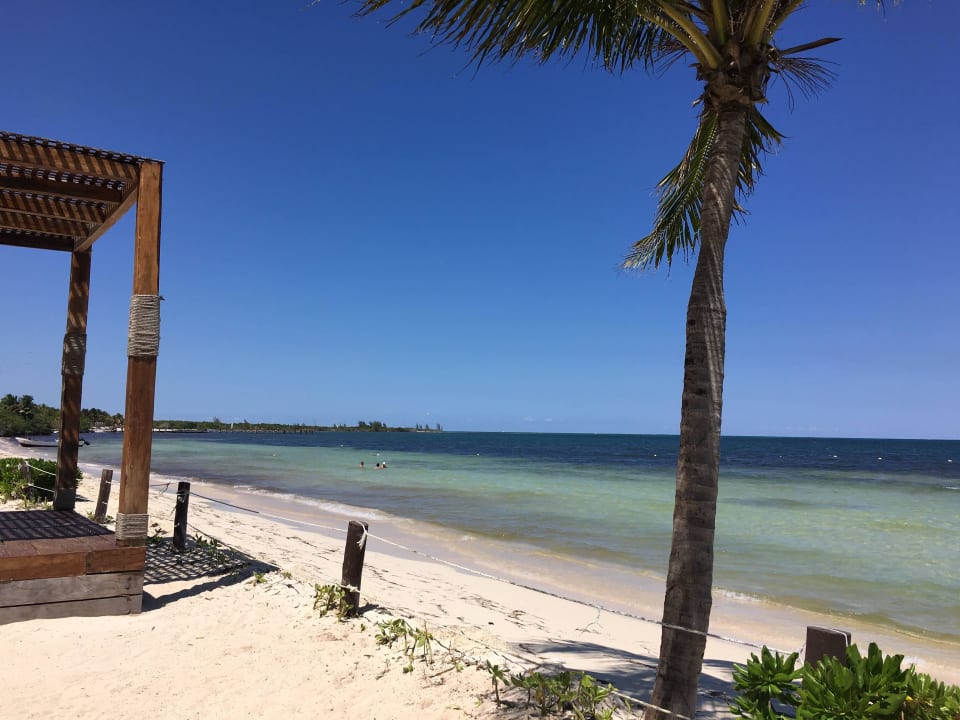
[[39, 488], [39, 470]]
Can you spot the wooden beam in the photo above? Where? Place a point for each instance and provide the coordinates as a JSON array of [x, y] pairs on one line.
[[36, 240], [52, 207], [142, 371], [62, 188], [63, 157], [65, 490], [98, 607], [119, 212], [44, 225], [77, 587]]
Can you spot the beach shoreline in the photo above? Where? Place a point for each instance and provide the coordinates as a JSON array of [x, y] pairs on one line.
[[560, 622]]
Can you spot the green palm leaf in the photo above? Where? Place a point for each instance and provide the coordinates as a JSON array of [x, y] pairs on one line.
[[617, 35], [677, 224]]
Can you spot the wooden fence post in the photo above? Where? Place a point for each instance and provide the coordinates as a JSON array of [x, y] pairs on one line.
[[100, 514], [28, 477], [180, 517], [353, 554], [825, 642]]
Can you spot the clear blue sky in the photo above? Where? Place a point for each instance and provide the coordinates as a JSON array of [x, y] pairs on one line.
[[356, 226]]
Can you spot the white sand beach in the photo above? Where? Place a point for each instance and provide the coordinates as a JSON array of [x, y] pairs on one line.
[[228, 646]]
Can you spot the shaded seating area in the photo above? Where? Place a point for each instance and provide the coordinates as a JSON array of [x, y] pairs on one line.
[[60, 197]]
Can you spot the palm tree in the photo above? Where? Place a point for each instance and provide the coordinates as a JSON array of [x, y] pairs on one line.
[[732, 46]]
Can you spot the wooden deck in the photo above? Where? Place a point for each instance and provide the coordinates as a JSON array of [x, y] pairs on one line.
[[60, 564]]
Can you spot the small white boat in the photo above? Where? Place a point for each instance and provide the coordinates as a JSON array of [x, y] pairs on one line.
[[30, 442]]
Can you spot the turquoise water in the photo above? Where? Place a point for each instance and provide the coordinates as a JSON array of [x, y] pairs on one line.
[[864, 528]]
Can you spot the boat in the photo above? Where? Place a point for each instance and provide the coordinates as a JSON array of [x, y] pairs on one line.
[[30, 442]]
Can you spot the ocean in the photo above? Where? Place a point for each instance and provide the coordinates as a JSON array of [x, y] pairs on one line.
[[866, 529]]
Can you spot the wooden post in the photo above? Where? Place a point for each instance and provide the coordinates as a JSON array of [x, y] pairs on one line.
[[28, 478], [353, 554], [74, 354], [180, 516], [141, 371], [100, 514], [825, 642]]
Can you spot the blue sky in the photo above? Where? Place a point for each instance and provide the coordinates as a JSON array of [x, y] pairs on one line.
[[356, 226]]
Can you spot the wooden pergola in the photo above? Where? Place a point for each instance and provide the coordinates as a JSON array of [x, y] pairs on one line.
[[63, 197]]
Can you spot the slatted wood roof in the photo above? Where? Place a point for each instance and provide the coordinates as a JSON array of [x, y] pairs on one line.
[[59, 196]]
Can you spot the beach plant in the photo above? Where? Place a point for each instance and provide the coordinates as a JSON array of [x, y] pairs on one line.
[[416, 642], [733, 48], [392, 630], [561, 692], [497, 677], [764, 684], [211, 547], [330, 597], [867, 687], [861, 687], [107, 519], [929, 699], [157, 537], [590, 696]]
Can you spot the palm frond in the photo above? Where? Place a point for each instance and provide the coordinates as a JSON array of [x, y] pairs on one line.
[[677, 225], [618, 35], [808, 75], [760, 138], [680, 193]]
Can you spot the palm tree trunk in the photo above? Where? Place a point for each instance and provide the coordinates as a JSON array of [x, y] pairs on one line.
[[687, 602]]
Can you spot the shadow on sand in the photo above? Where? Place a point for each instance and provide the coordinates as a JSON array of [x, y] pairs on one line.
[[634, 673], [201, 568]]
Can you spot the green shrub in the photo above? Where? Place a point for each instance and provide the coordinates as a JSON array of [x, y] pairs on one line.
[[865, 688], [765, 684], [14, 486], [873, 687]]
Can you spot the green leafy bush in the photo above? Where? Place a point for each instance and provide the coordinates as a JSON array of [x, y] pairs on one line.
[[14, 486], [871, 687]]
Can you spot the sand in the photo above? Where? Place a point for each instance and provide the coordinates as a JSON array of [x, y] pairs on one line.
[[249, 643]]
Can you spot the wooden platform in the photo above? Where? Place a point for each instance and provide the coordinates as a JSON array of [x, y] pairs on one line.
[[60, 564]]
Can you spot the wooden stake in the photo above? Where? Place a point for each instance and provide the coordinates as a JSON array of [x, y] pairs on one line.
[[353, 554], [100, 514], [180, 516]]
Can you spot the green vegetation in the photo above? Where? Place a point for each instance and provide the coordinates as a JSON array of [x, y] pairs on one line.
[[13, 486], [872, 687], [20, 415], [558, 693], [217, 425], [416, 642], [330, 597]]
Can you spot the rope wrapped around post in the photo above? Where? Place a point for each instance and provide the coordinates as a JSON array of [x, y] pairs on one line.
[[132, 526], [74, 353], [143, 335]]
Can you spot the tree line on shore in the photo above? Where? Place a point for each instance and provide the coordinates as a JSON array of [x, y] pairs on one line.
[[20, 415]]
